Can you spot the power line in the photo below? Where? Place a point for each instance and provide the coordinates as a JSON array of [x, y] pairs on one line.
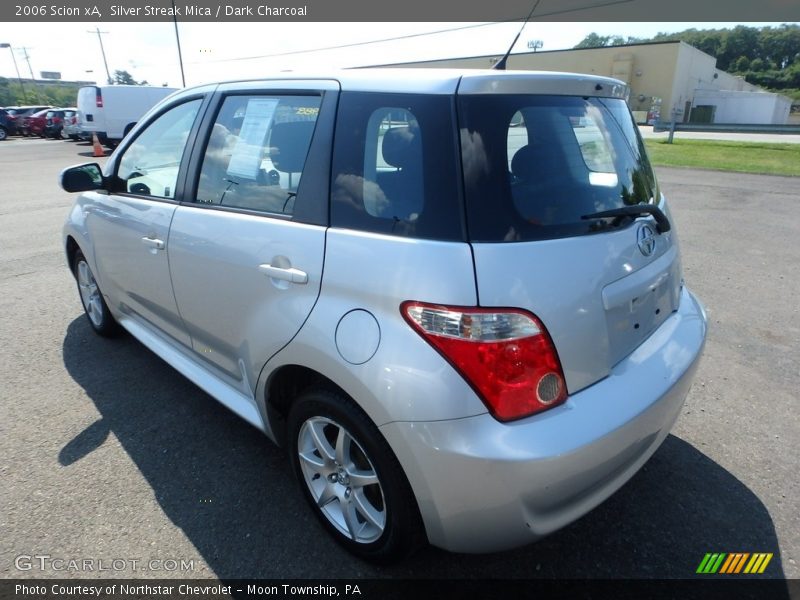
[[353, 44], [552, 13]]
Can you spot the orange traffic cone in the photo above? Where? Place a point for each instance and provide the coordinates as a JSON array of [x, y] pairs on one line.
[[98, 149]]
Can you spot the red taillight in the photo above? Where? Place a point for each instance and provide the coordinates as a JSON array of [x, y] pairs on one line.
[[98, 98], [504, 354]]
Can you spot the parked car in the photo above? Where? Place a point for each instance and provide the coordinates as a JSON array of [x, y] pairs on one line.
[[463, 314], [72, 125], [111, 111], [11, 119], [5, 124], [35, 123], [55, 122], [19, 114]]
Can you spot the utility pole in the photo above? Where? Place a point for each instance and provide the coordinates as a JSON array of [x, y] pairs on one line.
[[102, 50], [178, 40], [16, 68], [28, 60], [30, 68]]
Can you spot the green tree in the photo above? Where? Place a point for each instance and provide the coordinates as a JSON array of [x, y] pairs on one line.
[[741, 64], [765, 56], [6, 97], [125, 78], [594, 40]]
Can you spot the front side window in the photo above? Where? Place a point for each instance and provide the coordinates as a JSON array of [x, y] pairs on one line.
[[394, 168], [534, 166], [256, 152], [150, 165]]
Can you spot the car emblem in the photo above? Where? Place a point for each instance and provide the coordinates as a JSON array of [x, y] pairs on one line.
[[646, 239]]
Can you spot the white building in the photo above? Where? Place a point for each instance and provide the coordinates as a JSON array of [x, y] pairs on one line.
[[671, 78]]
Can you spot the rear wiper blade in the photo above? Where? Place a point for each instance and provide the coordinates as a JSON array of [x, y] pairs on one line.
[[637, 210]]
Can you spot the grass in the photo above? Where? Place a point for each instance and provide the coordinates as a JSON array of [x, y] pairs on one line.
[[742, 157]]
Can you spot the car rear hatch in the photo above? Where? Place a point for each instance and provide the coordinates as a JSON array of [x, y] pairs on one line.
[[545, 158], [90, 99]]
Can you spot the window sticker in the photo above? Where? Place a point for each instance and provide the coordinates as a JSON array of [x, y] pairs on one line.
[[247, 154]]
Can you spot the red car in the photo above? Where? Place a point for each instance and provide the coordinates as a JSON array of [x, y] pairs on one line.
[[35, 123], [17, 116]]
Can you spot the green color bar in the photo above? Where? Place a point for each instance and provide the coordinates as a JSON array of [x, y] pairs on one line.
[[701, 568]]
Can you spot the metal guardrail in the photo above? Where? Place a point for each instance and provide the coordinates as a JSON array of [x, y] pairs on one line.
[[662, 126]]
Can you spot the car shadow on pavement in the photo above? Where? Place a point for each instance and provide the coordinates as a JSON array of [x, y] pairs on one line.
[[231, 492]]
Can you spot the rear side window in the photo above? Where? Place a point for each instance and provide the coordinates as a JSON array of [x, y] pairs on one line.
[[395, 168], [256, 152], [535, 165]]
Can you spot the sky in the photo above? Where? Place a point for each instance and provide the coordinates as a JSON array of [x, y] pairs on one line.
[[220, 51]]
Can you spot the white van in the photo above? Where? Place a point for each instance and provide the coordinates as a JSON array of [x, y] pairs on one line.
[[111, 111]]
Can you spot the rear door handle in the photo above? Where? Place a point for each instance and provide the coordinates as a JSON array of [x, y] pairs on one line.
[[289, 274], [153, 243]]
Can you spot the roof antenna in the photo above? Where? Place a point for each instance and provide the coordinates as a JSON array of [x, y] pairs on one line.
[[500, 65]]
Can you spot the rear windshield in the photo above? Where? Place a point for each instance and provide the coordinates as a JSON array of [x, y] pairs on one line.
[[535, 165]]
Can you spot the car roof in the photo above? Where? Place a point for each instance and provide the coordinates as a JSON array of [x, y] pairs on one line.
[[448, 81]]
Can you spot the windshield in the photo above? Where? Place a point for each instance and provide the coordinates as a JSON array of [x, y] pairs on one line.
[[534, 165]]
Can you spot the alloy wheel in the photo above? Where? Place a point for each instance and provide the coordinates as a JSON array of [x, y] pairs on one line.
[[341, 479], [90, 294]]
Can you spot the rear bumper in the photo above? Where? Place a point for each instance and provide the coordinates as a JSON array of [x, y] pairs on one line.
[[484, 486]]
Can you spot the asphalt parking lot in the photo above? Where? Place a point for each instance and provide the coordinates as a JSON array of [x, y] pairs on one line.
[[108, 453]]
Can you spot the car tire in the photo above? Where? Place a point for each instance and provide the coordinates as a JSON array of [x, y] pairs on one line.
[[94, 305], [350, 477], [3, 133]]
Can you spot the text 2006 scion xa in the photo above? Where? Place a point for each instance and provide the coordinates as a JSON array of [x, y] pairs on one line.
[[455, 298]]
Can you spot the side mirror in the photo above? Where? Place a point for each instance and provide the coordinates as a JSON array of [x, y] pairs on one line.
[[82, 178]]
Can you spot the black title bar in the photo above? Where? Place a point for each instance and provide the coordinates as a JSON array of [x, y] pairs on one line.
[[407, 10], [705, 587]]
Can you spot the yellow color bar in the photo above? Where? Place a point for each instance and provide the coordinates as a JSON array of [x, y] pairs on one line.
[[753, 564], [765, 563], [759, 562]]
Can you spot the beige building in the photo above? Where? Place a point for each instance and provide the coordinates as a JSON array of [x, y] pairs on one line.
[[662, 75]]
